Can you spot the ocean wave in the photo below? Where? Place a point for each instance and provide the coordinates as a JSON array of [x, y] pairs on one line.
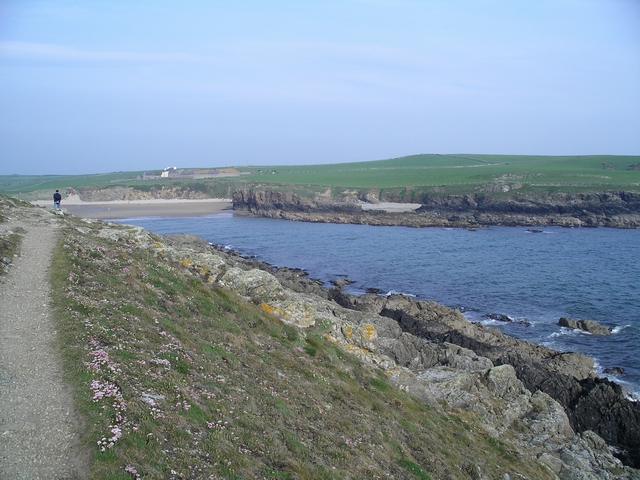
[[393, 292], [618, 329], [573, 332]]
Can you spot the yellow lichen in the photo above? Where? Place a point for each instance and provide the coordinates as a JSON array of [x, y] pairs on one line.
[[185, 262], [368, 331], [266, 307]]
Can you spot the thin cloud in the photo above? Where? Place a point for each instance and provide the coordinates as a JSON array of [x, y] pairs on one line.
[[48, 51]]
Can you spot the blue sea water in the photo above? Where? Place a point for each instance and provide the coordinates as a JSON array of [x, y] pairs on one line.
[[535, 278]]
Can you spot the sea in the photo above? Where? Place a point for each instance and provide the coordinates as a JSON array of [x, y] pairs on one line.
[[533, 276]]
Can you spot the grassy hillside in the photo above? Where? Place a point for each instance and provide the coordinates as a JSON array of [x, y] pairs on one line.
[[179, 378], [21, 184], [465, 171], [441, 173]]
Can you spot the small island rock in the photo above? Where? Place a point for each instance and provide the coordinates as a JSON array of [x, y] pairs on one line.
[[590, 326]]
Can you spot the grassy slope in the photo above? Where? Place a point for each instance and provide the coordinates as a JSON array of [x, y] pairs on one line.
[[457, 173], [592, 172], [232, 392], [16, 184]]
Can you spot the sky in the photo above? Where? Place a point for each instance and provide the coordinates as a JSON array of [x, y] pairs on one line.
[[98, 86]]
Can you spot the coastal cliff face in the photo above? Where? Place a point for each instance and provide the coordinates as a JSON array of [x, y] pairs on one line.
[[164, 192], [608, 209], [551, 401]]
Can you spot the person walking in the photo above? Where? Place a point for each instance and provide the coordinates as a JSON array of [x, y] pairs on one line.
[[57, 198]]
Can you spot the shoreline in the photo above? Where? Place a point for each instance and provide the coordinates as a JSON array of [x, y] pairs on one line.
[[142, 208], [566, 377]]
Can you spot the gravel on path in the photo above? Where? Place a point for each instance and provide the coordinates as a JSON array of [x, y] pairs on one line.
[[39, 429]]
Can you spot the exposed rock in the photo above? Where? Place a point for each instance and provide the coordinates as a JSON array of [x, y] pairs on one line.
[[567, 377], [499, 317], [593, 327], [610, 209], [341, 282], [590, 326], [568, 323], [108, 194], [614, 371]]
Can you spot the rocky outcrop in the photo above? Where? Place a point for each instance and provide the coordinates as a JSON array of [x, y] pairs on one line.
[[164, 192], [590, 326], [591, 403], [610, 209]]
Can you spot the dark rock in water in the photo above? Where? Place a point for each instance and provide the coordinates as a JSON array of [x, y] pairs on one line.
[[374, 290], [593, 327], [614, 371], [590, 326], [591, 403], [341, 282], [533, 230], [507, 319], [568, 323]]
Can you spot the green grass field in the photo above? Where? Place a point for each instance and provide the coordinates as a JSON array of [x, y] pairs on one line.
[[591, 172], [21, 184], [449, 173]]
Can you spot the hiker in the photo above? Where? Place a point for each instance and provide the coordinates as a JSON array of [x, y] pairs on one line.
[[56, 200]]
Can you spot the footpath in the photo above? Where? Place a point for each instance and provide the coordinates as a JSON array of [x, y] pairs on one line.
[[39, 430]]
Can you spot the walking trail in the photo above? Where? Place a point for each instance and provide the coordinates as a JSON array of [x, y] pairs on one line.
[[39, 430]]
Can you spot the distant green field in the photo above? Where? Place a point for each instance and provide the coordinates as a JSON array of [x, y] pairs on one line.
[[15, 184], [448, 173], [591, 172]]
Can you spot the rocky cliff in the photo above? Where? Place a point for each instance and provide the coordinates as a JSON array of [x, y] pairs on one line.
[[609, 209], [550, 401], [164, 192]]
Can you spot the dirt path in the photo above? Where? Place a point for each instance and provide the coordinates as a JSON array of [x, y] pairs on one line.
[[39, 436]]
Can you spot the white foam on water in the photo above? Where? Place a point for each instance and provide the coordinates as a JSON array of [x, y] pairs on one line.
[[618, 329], [393, 292]]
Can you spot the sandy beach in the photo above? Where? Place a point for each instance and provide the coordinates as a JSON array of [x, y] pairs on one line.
[[142, 208]]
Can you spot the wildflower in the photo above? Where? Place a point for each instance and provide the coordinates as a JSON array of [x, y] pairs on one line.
[[132, 471]]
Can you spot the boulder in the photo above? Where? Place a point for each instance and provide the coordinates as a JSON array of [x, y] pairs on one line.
[[568, 323], [614, 371], [593, 327], [590, 326]]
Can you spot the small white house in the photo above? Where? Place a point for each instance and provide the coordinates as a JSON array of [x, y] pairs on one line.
[[166, 171]]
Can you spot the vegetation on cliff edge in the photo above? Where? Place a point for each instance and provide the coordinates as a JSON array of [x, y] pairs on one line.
[[178, 378]]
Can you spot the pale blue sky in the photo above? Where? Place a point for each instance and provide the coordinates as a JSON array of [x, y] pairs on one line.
[[101, 86]]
